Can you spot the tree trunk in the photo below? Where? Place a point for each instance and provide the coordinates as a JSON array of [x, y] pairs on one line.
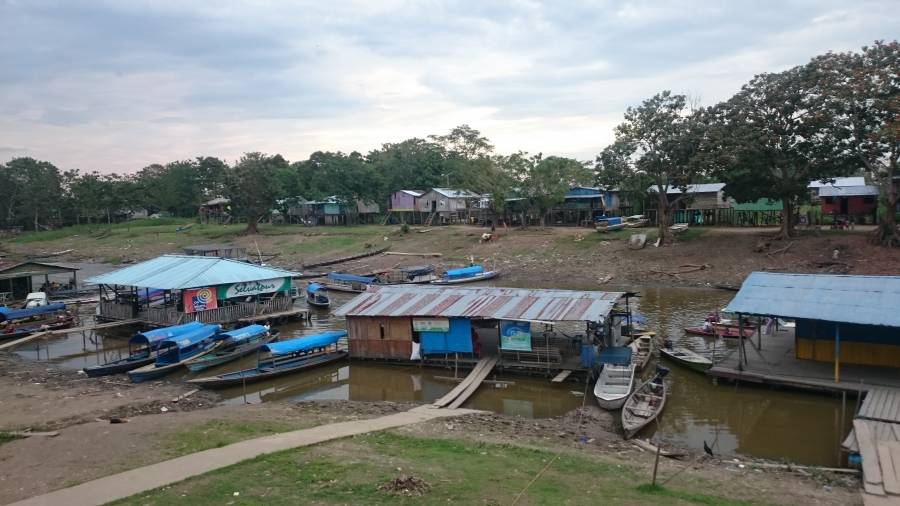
[[35, 219], [108, 217], [787, 219], [251, 226], [662, 218], [886, 234]]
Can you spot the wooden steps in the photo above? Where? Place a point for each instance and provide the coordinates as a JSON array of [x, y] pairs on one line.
[[461, 393]]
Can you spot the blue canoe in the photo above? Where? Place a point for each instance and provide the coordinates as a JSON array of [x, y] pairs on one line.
[[236, 343], [9, 314], [173, 352], [468, 274], [141, 350], [283, 357]]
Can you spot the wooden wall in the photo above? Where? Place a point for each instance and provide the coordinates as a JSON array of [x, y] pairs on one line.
[[822, 350], [379, 337]]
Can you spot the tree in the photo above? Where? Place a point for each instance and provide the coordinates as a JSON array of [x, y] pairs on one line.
[[253, 186], [211, 173], [545, 181], [659, 141], [771, 140], [862, 99], [41, 188], [466, 141]]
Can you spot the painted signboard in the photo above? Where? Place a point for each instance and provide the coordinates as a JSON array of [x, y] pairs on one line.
[[515, 335], [431, 325], [199, 299], [248, 288]]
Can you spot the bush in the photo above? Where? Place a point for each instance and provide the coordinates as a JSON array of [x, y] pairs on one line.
[[404, 228]]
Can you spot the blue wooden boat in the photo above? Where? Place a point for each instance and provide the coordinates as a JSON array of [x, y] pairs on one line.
[[343, 282], [316, 295], [609, 223], [283, 357], [235, 344], [173, 352], [141, 350], [468, 274], [21, 322]]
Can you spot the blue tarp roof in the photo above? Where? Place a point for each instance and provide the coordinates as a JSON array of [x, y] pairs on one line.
[[152, 336], [191, 338], [865, 300], [305, 343], [314, 287], [464, 272], [617, 355], [340, 276], [174, 272], [244, 333], [8, 313]]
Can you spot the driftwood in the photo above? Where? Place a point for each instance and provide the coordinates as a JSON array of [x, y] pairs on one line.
[[397, 253], [28, 433], [185, 395], [781, 250], [346, 259], [693, 268], [792, 467]]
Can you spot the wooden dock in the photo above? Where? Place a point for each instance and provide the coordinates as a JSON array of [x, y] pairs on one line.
[[275, 317], [49, 333], [876, 437], [461, 393]]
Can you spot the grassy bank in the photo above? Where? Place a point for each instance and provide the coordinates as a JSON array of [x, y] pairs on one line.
[[352, 472]]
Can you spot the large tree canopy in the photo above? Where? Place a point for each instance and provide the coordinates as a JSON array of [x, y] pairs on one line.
[[253, 186]]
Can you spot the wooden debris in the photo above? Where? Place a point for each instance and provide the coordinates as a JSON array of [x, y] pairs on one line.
[[650, 447], [398, 253], [28, 433], [185, 395]]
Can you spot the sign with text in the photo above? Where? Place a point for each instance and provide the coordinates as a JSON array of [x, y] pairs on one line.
[[248, 288], [431, 325], [199, 299], [515, 335]]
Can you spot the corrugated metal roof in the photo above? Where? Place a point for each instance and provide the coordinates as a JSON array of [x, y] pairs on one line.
[[455, 194], [174, 272], [692, 188], [847, 191], [840, 181], [414, 193], [493, 303], [866, 300]]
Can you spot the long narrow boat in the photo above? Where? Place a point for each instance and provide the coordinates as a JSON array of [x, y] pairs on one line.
[[235, 344], [641, 349], [352, 283], [645, 404], [173, 352], [616, 377], [141, 350], [686, 357], [283, 357], [21, 322], [720, 330], [316, 295], [469, 274], [409, 275]]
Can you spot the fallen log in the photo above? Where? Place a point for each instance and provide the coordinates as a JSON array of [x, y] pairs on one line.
[[346, 259], [650, 447], [398, 253], [185, 395], [28, 433], [781, 250]]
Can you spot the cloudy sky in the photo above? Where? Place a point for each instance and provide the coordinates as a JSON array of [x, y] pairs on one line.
[[117, 85]]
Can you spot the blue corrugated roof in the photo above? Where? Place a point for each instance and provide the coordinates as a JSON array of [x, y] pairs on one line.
[[174, 272], [865, 300]]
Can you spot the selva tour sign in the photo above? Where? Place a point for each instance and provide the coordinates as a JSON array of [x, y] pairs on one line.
[[249, 288]]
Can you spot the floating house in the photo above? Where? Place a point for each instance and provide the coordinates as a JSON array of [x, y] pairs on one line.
[[174, 289], [17, 280], [839, 318], [440, 325]]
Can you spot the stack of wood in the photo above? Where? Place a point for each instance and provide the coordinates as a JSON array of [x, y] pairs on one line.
[[876, 437]]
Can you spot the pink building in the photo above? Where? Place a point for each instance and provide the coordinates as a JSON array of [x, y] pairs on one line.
[[405, 200]]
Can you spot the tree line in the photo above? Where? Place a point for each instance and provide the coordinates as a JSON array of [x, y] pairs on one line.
[[836, 115]]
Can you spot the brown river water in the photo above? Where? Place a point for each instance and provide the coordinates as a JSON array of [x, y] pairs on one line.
[[734, 419]]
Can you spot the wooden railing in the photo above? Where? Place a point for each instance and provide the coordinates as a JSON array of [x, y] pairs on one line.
[[113, 311], [226, 314]]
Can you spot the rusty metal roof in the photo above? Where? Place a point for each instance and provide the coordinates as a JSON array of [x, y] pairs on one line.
[[481, 302]]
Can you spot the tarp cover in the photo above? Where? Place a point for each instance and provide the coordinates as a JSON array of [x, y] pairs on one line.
[[244, 333], [155, 335], [339, 276], [188, 339], [305, 343], [457, 340], [618, 355], [314, 287], [8, 313], [464, 272]]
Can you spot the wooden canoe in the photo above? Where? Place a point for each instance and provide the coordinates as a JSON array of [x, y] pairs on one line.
[[644, 405], [279, 368], [226, 354], [686, 357]]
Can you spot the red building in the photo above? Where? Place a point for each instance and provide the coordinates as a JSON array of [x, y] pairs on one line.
[[850, 201]]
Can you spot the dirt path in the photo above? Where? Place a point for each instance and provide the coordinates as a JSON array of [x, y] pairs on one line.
[[138, 480]]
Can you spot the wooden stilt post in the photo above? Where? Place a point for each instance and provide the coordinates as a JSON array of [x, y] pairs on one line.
[[656, 461], [837, 353]]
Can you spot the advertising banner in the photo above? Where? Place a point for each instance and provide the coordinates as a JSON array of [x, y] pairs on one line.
[[199, 299], [431, 325], [248, 288], [515, 335]]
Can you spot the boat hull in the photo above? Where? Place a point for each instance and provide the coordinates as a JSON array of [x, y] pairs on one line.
[[151, 371], [612, 399], [255, 374], [686, 361], [610, 228], [214, 359], [27, 330], [471, 279], [632, 423], [117, 366]]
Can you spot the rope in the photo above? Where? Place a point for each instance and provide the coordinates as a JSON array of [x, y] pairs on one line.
[[557, 455]]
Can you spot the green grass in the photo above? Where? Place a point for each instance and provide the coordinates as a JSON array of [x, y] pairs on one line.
[[218, 433], [350, 472], [6, 437]]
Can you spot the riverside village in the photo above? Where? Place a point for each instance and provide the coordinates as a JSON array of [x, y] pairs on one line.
[[683, 290]]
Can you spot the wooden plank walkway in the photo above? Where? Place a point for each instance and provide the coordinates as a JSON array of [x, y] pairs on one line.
[[461, 393], [876, 436], [41, 335], [881, 404], [559, 378]]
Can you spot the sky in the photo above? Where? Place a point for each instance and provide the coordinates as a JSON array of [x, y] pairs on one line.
[[114, 86]]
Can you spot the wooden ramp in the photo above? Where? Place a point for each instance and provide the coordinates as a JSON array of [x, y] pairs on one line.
[[876, 436], [40, 335], [461, 393], [559, 378]]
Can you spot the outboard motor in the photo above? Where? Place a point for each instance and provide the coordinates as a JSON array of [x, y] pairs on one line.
[[661, 373]]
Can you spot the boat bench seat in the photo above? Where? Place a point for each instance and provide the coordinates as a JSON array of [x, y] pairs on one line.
[[643, 413]]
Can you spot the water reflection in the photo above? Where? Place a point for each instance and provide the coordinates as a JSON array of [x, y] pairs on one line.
[[801, 427]]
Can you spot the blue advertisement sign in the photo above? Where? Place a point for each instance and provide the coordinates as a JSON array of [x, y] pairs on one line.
[[515, 335]]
